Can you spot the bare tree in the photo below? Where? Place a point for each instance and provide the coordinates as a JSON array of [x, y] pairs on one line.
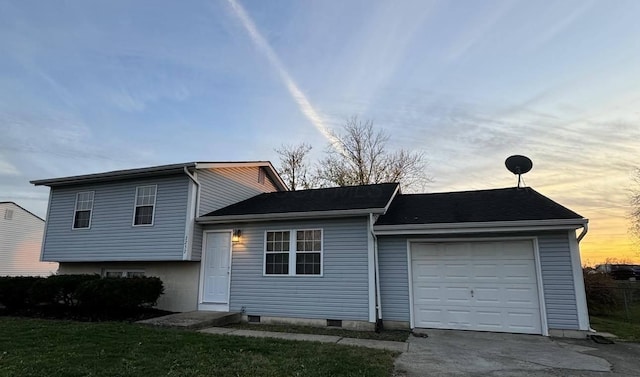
[[360, 156], [294, 168]]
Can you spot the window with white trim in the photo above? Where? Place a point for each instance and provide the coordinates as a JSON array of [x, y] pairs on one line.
[[123, 273], [145, 205], [277, 253], [83, 210], [308, 252], [303, 256]]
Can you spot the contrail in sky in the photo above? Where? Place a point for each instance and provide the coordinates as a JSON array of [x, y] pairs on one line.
[[262, 44]]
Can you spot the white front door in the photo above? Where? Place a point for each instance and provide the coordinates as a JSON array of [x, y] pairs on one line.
[[486, 286], [217, 268]]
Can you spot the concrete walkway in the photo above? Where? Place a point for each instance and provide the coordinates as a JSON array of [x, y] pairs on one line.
[[369, 343], [458, 353], [193, 320]]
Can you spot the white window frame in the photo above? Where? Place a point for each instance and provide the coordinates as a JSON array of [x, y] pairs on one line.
[[293, 251], [135, 205], [124, 272], [75, 210]]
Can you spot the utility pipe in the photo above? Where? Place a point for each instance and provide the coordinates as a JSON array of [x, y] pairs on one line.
[[377, 272]]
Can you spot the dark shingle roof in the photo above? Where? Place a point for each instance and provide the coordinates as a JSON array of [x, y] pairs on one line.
[[510, 204], [327, 199]]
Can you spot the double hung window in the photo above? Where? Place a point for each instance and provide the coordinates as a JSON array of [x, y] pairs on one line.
[[301, 255], [84, 207]]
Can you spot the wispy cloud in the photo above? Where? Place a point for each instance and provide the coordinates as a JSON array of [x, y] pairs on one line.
[[298, 96], [6, 168], [471, 35]]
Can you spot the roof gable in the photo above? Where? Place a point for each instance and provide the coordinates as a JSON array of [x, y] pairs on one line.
[[24, 209], [510, 204]]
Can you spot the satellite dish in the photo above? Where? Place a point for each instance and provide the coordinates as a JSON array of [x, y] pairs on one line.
[[518, 165]]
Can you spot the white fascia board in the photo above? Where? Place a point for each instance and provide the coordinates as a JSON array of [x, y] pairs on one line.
[[214, 165], [287, 216], [480, 227]]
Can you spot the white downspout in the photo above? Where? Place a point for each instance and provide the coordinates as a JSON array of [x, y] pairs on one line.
[[376, 268], [192, 214], [195, 181], [585, 229]]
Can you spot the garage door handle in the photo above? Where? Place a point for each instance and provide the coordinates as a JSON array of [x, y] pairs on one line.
[[472, 293]]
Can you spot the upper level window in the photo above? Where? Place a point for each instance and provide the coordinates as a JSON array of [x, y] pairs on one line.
[[145, 205], [305, 253], [84, 207]]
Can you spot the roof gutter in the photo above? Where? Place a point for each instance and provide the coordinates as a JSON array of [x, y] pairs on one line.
[[585, 229], [478, 227], [287, 215], [113, 175]]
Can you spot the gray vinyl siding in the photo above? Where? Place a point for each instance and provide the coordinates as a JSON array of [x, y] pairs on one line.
[[557, 279], [341, 293], [20, 243], [112, 236], [555, 262], [394, 284], [221, 187]]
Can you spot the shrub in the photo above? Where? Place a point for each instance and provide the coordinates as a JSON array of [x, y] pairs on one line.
[[88, 295], [602, 293], [59, 289], [15, 292], [116, 295]]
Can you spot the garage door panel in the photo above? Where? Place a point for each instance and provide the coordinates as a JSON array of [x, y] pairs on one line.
[[426, 270], [431, 317], [489, 286], [453, 271], [462, 318], [487, 296], [456, 295]]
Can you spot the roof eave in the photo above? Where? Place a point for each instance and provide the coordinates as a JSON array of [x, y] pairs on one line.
[[287, 216], [481, 227], [114, 175]]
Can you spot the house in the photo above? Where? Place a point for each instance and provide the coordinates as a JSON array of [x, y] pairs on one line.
[[20, 242], [229, 236]]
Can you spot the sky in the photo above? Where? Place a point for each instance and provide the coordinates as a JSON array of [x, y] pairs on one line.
[[93, 86]]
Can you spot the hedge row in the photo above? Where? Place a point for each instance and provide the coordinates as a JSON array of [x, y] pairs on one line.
[[89, 294]]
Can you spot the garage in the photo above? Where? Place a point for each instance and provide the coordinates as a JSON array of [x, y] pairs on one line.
[[475, 285]]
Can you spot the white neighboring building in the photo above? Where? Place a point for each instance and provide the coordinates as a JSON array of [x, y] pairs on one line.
[[20, 243]]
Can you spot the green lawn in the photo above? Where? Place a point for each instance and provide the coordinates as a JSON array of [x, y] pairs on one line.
[[625, 326], [31, 347], [393, 335]]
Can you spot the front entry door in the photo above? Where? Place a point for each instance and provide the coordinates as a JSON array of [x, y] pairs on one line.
[[217, 268]]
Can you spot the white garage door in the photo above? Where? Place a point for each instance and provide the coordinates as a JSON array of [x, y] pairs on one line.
[[486, 286]]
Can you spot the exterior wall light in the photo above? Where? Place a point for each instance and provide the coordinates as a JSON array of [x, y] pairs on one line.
[[237, 234]]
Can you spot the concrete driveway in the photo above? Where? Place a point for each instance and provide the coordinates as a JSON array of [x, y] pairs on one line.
[[467, 353]]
